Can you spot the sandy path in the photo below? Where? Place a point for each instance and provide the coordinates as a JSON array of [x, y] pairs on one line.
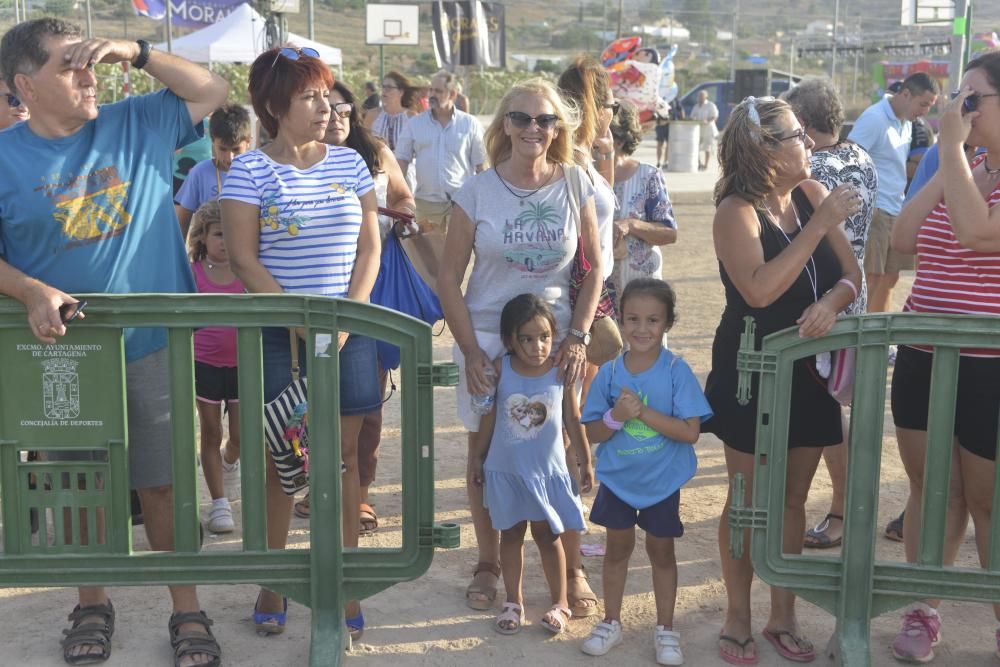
[[426, 622]]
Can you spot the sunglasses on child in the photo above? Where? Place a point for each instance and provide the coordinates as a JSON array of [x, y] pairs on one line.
[[294, 54], [521, 120], [12, 100], [971, 103]]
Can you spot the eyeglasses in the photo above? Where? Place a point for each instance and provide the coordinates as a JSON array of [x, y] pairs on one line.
[[343, 109], [799, 136], [971, 103], [614, 106], [294, 54], [13, 100], [521, 120], [386, 86]]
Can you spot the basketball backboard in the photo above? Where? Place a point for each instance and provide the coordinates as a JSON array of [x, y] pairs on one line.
[[392, 24], [927, 12]]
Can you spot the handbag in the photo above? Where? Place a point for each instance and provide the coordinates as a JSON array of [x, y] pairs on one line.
[[581, 267], [285, 429], [398, 286], [840, 383]]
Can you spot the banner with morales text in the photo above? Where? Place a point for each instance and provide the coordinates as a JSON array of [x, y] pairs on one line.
[[469, 33], [187, 13]]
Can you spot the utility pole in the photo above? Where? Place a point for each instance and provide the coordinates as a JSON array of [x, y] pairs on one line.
[[170, 28], [310, 19], [833, 55], [732, 56], [960, 28], [621, 11]]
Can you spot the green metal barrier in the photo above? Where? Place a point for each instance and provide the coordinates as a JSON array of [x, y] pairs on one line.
[[855, 587], [70, 396]]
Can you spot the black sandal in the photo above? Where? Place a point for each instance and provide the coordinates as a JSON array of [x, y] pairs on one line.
[[190, 643], [89, 634]]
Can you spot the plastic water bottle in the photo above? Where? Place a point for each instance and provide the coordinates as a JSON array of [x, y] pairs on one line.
[[483, 403]]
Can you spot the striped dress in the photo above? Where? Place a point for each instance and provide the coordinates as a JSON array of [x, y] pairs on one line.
[[952, 279], [309, 218]]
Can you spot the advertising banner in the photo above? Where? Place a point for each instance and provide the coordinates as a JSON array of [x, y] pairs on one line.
[[469, 33], [187, 13]]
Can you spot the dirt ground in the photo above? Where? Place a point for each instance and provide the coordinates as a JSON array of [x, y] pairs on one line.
[[426, 622]]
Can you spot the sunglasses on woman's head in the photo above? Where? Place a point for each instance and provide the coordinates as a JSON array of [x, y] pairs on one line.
[[12, 100], [971, 103], [614, 106], [343, 109], [521, 120], [294, 54]]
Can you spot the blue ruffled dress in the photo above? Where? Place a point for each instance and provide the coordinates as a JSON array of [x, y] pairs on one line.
[[525, 472]]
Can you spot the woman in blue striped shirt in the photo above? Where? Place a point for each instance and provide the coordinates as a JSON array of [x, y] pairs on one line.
[[300, 216]]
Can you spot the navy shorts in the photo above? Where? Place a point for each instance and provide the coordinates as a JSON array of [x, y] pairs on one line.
[[359, 385], [216, 384], [660, 520]]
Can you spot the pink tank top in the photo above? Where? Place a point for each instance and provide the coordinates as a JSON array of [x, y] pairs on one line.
[[215, 346]]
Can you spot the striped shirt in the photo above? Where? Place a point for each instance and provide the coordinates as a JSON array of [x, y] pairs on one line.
[[952, 279], [309, 218]]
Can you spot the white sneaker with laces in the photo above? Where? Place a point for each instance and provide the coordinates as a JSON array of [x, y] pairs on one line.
[[231, 479], [605, 636], [220, 518], [668, 647]]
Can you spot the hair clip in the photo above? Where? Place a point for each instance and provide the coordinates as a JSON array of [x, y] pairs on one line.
[[752, 112]]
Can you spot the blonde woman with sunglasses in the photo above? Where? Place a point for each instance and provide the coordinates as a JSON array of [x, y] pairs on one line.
[[518, 221]]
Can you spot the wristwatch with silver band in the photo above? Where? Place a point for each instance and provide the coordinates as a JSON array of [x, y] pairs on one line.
[[584, 336]]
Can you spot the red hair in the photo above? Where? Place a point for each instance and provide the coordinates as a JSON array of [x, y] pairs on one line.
[[275, 79]]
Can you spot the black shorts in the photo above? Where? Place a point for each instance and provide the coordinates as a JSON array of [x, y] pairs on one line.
[[215, 384], [977, 401], [660, 520], [663, 132]]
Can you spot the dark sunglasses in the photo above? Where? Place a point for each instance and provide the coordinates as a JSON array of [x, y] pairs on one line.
[[343, 109], [13, 100], [971, 103], [800, 135], [294, 54], [614, 106], [521, 120]]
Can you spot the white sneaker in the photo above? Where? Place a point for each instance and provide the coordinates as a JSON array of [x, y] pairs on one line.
[[220, 519], [231, 479], [668, 647], [603, 638]]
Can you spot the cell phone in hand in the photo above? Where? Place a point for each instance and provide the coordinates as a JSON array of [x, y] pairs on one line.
[[70, 311]]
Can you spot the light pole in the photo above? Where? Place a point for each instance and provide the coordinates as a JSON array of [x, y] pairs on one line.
[[732, 55]]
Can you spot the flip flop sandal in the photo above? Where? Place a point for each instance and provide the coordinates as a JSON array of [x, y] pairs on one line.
[[187, 644], [301, 508], [816, 538], [738, 659], [369, 520], [894, 529], [270, 622], [356, 626], [510, 613], [89, 634], [576, 601], [489, 592], [560, 615], [775, 637]]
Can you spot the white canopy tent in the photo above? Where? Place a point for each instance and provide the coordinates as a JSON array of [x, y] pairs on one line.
[[239, 38]]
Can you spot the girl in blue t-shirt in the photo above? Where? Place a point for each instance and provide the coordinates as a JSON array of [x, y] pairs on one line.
[[646, 408], [519, 459]]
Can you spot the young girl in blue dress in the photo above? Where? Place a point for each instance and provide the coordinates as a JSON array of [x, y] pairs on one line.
[[646, 408], [520, 460]]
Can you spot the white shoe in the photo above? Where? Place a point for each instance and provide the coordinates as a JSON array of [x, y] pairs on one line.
[[603, 638], [668, 647], [220, 519], [231, 479]]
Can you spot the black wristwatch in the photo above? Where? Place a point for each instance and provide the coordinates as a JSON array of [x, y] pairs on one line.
[[584, 336], [143, 57]]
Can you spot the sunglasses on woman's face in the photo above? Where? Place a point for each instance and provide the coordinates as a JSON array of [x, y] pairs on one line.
[[614, 106], [971, 103], [343, 109], [294, 54], [12, 100], [521, 120]]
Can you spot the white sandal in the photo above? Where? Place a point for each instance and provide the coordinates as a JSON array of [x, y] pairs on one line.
[[560, 615], [513, 613]]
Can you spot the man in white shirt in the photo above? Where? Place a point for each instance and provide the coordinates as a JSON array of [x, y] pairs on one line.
[[447, 145]]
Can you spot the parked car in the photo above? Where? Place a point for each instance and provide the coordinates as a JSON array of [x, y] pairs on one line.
[[722, 93]]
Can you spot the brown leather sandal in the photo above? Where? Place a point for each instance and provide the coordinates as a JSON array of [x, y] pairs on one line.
[[476, 588], [578, 578]]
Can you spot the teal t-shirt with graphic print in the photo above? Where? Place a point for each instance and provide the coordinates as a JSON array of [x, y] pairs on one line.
[[93, 212], [638, 464]]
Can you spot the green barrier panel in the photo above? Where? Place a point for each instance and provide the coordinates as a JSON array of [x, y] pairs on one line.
[[70, 397], [855, 587]]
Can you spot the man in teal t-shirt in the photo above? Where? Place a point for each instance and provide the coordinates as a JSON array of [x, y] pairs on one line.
[[86, 206]]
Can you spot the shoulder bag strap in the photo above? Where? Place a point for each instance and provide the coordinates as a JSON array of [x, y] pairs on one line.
[[573, 188], [293, 342]]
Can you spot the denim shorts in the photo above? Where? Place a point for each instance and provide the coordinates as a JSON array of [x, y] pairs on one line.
[[660, 520], [359, 386]]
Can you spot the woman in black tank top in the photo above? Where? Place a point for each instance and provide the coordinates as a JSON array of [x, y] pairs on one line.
[[783, 260]]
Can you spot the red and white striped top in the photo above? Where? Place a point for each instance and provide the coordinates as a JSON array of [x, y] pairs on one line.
[[952, 279]]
